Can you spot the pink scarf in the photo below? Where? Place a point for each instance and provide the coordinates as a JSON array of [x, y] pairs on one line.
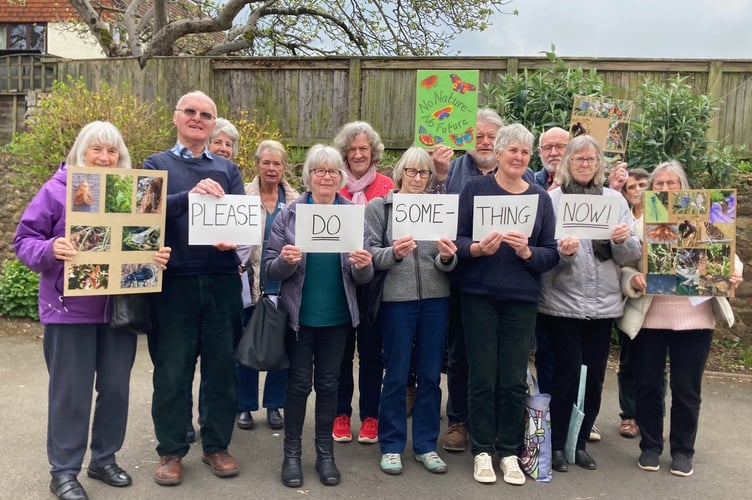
[[357, 187]]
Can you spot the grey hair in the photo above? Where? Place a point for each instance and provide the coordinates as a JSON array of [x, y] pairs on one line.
[[511, 133], [321, 155], [225, 126], [563, 177], [350, 131], [275, 147], [488, 115], [414, 157], [674, 167], [98, 132]]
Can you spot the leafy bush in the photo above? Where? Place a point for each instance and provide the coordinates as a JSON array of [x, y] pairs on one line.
[[53, 125], [672, 124], [543, 98], [19, 287], [251, 134]]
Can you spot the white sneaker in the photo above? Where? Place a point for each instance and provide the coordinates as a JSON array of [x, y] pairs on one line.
[[483, 469], [510, 467]]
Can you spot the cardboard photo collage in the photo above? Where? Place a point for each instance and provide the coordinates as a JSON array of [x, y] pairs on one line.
[[689, 242], [606, 120], [115, 219]]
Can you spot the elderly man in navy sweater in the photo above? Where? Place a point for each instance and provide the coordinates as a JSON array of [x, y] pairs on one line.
[[199, 310]]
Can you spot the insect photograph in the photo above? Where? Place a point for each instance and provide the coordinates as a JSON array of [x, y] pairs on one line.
[[85, 192], [138, 275], [713, 233], [660, 259], [662, 233], [91, 238], [617, 136], [149, 195], [661, 284], [138, 238], [655, 206], [689, 202], [88, 276], [723, 206], [688, 235], [119, 193], [688, 270]]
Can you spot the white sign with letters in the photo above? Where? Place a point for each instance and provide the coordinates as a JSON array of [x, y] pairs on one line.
[[587, 216], [233, 218], [504, 213], [329, 228], [427, 217]]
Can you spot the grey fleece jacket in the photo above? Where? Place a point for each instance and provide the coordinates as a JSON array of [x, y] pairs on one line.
[[420, 275]]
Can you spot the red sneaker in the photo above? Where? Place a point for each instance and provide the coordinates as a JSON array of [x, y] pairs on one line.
[[369, 431], [341, 429]]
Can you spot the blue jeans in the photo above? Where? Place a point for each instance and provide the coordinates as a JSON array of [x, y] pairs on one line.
[[368, 340], [248, 381], [423, 322]]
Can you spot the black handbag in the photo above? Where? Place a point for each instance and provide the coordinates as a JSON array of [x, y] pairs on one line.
[[371, 293], [262, 345], [131, 311]]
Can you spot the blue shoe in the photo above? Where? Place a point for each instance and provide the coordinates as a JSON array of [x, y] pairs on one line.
[[391, 463], [432, 461]]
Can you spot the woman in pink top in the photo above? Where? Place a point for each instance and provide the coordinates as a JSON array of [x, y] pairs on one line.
[[361, 148], [681, 328]]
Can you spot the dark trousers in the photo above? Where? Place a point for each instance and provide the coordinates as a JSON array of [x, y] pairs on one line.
[[197, 315], [80, 357], [688, 352], [275, 385], [626, 376], [370, 373], [419, 323], [498, 337], [315, 355], [544, 361], [575, 342], [456, 408]]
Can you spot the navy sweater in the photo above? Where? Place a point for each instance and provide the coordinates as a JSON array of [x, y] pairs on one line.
[[503, 275], [183, 175]]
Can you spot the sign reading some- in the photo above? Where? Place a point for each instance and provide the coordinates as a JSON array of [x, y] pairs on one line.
[[427, 217]]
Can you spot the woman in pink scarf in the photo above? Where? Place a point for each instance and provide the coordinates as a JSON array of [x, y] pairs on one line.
[[361, 148]]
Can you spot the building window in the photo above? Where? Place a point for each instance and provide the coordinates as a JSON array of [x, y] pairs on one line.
[[28, 36]]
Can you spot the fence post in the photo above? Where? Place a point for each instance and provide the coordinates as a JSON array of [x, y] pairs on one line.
[[354, 85], [715, 77]]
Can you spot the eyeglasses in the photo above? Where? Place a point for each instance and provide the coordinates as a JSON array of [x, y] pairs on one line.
[[579, 160], [672, 184], [548, 147], [640, 185], [190, 113], [412, 172], [321, 172]]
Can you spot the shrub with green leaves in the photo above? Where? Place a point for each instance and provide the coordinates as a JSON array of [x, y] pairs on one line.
[[543, 98], [19, 287], [672, 124], [54, 124]]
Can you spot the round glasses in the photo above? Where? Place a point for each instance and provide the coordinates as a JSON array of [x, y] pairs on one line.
[[412, 172]]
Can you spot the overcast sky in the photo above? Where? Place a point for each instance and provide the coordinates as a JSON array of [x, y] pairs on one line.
[[626, 28]]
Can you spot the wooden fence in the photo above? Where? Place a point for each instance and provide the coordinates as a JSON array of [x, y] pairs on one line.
[[310, 98]]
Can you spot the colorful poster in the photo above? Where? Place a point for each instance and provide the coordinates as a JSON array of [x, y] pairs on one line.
[[115, 218], [689, 242], [445, 108], [605, 119]]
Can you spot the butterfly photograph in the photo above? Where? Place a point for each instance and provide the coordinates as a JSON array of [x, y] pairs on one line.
[[715, 232], [86, 190]]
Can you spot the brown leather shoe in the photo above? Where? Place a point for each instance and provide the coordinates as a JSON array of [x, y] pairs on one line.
[[221, 463], [169, 471], [455, 438], [628, 428]]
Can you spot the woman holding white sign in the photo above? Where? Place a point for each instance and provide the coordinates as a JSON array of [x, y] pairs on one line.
[[318, 292], [580, 299], [500, 283], [679, 328], [413, 311], [82, 352]]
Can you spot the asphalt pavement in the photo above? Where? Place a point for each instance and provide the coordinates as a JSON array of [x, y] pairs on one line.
[[721, 462]]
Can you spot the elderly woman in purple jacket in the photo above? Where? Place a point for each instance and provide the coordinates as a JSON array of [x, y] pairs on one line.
[[80, 348], [318, 291]]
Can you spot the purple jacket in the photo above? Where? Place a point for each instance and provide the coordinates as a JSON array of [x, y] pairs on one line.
[[42, 223]]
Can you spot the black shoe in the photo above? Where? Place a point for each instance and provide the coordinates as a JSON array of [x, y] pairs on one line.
[[111, 474], [245, 420], [274, 418], [559, 461], [328, 472], [292, 472], [190, 433], [67, 487], [584, 460]]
